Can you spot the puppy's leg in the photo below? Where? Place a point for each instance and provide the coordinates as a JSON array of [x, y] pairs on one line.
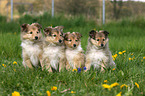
[[62, 63], [24, 64], [41, 61], [88, 64], [82, 60], [27, 62], [79, 61], [102, 66], [67, 65], [48, 67], [46, 64]]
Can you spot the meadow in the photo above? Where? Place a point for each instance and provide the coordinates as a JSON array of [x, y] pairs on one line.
[[126, 42]]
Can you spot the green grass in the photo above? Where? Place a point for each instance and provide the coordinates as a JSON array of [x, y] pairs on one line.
[[127, 34]]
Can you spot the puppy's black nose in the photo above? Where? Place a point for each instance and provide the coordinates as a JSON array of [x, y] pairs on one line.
[[36, 37], [102, 45], [74, 45], [60, 41]]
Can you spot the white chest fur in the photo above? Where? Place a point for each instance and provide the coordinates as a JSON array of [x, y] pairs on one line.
[[32, 51], [71, 54], [54, 54], [97, 57]]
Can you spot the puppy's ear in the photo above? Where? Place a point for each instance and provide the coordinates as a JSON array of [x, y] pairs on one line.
[[66, 36], [47, 31], [24, 27], [92, 34], [60, 28], [79, 35], [105, 32], [37, 25]]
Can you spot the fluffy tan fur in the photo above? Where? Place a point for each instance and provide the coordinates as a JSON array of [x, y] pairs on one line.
[[98, 54], [74, 53], [53, 49], [31, 37]]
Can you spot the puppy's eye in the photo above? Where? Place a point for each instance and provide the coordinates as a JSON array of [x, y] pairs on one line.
[[31, 32], [103, 39], [97, 39], [60, 35], [76, 40], [37, 32], [54, 35], [70, 40]]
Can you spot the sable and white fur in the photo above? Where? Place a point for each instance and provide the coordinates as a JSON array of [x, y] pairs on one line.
[[98, 54], [53, 49], [74, 52], [31, 37]]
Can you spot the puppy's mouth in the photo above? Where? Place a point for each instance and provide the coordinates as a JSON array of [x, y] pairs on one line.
[[60, 42], [102, 46], [74, 46], [36, 38]]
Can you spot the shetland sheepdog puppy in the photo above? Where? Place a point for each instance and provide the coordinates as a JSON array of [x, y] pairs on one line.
[[74, 52], [31, 37], [53, 49], [98, 54]]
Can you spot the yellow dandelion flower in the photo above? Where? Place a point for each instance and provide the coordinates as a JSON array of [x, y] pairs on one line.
[[106, 86], [123, 85], [114, 84], [54, 88], [113, 59], [130, 58], [144, 57], [131, 53], [72, 92], [120, 53], [119, 94], [105, 81], [124, 51], [113, 69], [15, 93], [15, 62], [115, 55], [15, 70], [4, 65], [141, 60], [137, 85], [74, 70], [48, 93]]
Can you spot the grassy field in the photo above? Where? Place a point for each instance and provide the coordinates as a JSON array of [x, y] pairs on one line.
[[127, 34]]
